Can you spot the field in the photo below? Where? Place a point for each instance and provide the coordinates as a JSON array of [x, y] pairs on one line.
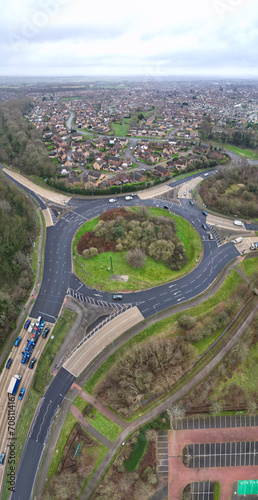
[[248, 153], [103, 424], [250, 266], [151, 274]]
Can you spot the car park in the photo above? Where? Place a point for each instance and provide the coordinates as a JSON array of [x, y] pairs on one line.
[[32, 363], [45, 333], [112, 200], [2, 458], [117, 297], [9, 362], [204, 213], [22, 391], [27, 324], [17, 341], [191, 202], [204, 227]]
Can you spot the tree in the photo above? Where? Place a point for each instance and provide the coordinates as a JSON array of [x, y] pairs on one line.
[[175, 411], [185, 321], [216, 407], [251, 407], [140, 116]]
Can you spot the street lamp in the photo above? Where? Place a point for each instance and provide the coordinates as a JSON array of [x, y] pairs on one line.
[[155, 314], [65, 397], [112, 343]]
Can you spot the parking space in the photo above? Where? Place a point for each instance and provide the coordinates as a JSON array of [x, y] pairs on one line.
[[162, 453], [231, 454], [202, 491], [218, 422]]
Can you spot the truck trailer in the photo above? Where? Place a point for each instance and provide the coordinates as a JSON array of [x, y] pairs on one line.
[[14, 384]]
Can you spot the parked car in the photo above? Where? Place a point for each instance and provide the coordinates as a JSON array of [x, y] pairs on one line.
[[35, 331], [252, 246], [9, 362], [166, 207], [210, 236], [31, 327], [2, 457], [38, 320], [117, 297], [27, 324], [32, 363], [17, 341], [45, 333], [184, 193], [25, 358], [22, 391]]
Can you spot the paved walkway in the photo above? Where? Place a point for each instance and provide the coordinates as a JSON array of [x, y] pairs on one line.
[[89, 428], [103, 409]]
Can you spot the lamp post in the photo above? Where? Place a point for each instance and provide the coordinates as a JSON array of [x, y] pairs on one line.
[[65, 397], [112, 343]]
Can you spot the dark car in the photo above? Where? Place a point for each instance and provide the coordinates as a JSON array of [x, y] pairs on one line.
[[2, 457], [27, 324], [204, 227], [17, 341], [32, 363], [9, 362], [166, 207], [117, 297], [204, 213], [22, 391], [45, 333], [191, 202]]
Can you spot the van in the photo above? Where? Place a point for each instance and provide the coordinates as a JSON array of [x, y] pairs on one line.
[[238, 240], [38, 320]]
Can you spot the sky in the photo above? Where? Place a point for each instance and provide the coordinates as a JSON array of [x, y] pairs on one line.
[[140, 37]]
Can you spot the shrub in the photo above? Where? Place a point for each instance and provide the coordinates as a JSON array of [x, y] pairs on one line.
[[136, 258]]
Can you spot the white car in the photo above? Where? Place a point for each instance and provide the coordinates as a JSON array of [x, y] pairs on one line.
[[112, 200], [31, 327], [127, 198]]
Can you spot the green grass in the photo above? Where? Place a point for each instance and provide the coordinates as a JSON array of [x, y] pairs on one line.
[[80, 403], [69, 424], [249, 153], [165, 326], [103, 424], [216, 491], [250, 266], [151, 274], [61, 329]]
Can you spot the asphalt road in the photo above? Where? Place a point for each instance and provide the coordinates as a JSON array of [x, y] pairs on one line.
[[28, 469], [29, 191]]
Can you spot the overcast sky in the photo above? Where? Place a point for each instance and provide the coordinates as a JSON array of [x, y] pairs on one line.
[[139, 37]]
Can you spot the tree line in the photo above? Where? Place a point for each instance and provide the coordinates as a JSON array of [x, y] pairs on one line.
[[17, 225], [20, 142]]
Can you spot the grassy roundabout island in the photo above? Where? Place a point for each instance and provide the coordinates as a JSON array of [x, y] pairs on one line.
[[150, 246]]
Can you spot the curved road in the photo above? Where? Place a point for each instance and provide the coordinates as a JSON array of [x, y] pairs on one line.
[[57, 279]]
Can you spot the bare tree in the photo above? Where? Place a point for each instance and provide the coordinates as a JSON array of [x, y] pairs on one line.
[[175, 411]]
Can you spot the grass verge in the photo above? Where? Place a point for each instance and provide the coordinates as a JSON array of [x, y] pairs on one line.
[[81, 404], [61, 329], [216, 491], [103, 424], [250, 266], [69, 424]]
